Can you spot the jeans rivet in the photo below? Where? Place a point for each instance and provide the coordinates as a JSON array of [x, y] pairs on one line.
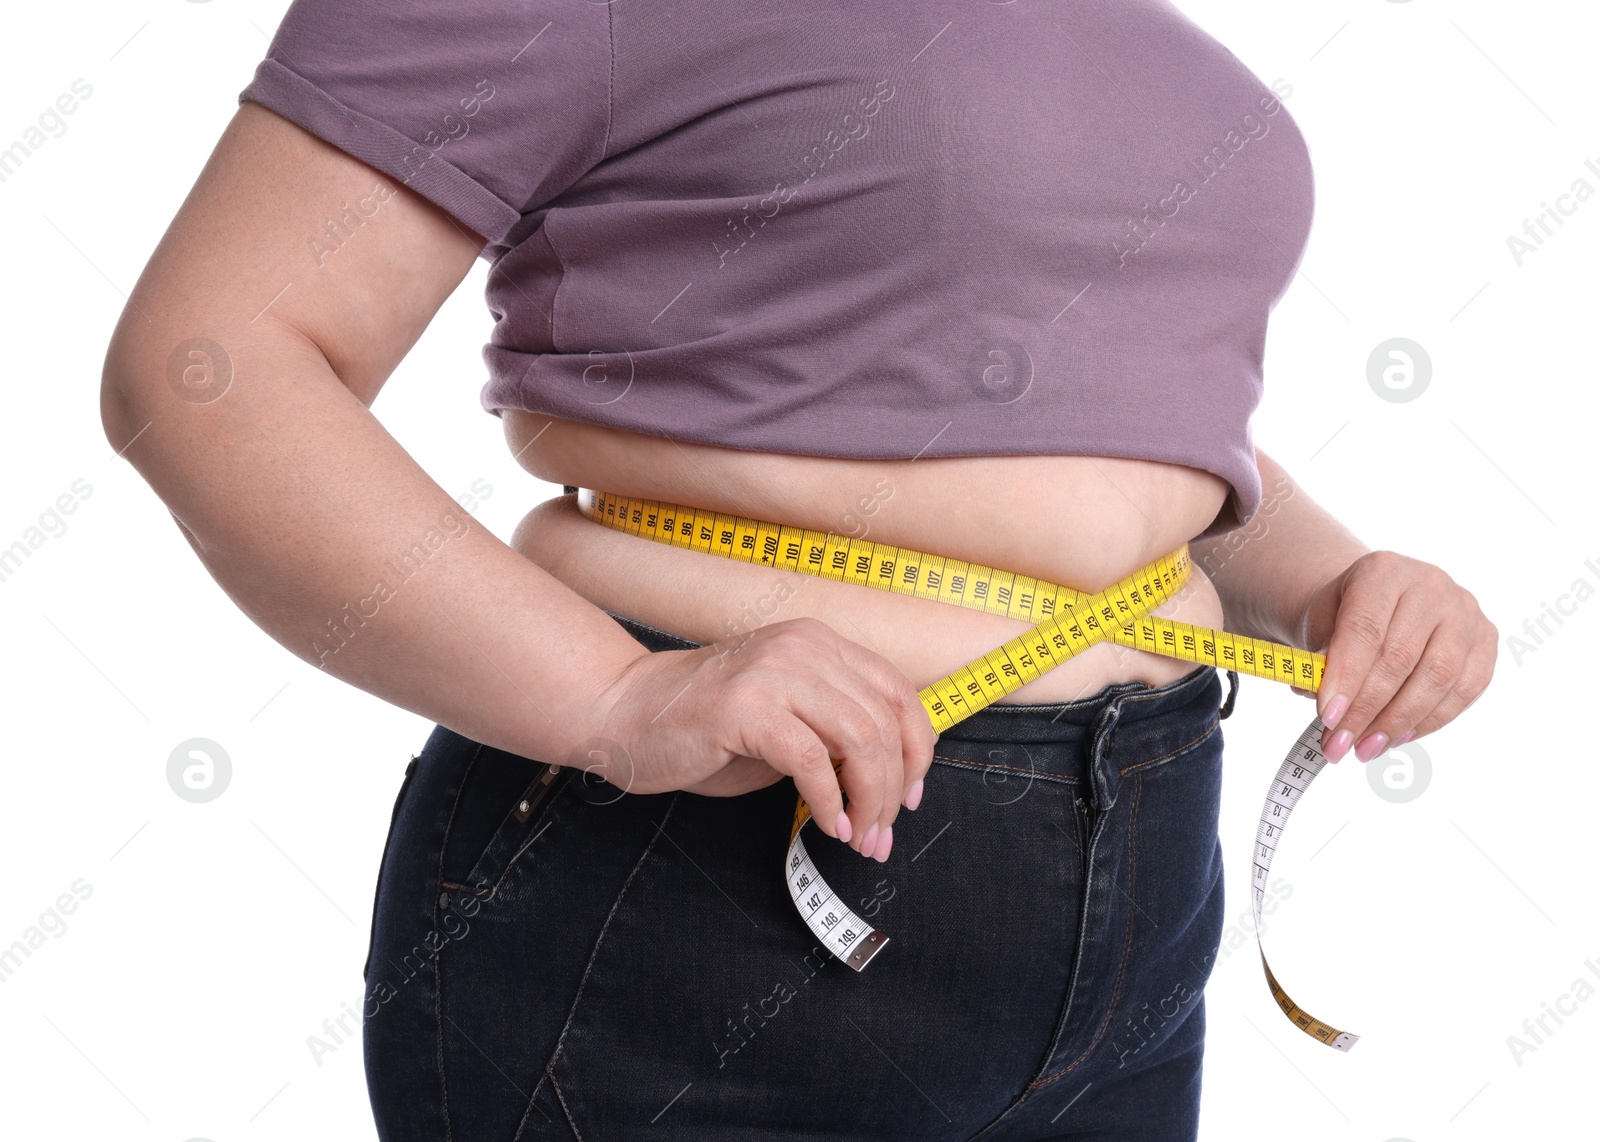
[[444, 900]]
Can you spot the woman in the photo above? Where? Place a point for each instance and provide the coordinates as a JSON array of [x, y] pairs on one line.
[[987, 284]]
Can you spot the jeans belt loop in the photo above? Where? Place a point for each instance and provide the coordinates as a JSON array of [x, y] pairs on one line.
[[1233, 692], [1103, 774]]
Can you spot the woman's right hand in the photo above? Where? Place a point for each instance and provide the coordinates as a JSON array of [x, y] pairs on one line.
[[738, 715]]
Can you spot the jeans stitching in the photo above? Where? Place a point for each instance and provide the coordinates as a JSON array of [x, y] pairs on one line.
[[1122, 966], [377, 889], [516, 857], [1003, 1115], [1044, 776], [1072, 988], [594, 954], [963, 763], [438, 982], [455, 806], [1116, 689], [438, 1022], [1172, 753], [1075, 973], [572, 1122], [1148, 695]]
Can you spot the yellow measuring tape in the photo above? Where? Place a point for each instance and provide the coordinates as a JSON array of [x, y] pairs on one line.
[[1065, 622]]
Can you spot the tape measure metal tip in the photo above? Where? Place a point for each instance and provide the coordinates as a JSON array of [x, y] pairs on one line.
[[861, 955]]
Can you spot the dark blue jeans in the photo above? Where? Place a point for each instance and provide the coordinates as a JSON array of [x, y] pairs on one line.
[[566, 961]]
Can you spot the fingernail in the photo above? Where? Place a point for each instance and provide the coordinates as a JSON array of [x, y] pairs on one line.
[[1338, 744], [1405, 737], [1371, 746], [1335, 710], [869, 840], [914, 795], [882, 853], [841, 826]]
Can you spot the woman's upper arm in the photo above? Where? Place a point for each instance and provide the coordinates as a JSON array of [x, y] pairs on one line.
[[283, 235]]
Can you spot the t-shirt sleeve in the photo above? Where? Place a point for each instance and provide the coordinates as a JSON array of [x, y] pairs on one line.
[[488, 108]]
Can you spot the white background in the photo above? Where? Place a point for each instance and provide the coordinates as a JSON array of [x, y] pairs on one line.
[[178, 1000]]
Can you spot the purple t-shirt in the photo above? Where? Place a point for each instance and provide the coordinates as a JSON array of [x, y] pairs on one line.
[[932, 228]]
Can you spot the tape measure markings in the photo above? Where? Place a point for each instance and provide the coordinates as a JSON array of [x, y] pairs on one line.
[[1064, 623], [946, 580], [1299, 769]]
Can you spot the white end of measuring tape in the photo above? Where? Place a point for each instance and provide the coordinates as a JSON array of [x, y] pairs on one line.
[[1295, 776], [830, 919]]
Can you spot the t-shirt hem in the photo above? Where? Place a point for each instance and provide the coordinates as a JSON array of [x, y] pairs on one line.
[[1238, 509], [286, 92]]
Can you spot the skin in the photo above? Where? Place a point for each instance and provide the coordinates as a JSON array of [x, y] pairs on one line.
[[1408, 647], [295, 498], [298, 502]]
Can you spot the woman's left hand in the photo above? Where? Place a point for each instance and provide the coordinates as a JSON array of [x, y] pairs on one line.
[[1407, 650]]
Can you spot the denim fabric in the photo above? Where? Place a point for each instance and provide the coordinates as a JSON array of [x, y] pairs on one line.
[[620, 967]]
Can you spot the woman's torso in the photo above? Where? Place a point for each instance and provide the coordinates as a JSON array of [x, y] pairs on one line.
[[824, 262], [1081, 521]]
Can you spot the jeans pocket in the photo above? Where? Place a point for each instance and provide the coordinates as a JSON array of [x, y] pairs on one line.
[[504, 805], [394, 815]]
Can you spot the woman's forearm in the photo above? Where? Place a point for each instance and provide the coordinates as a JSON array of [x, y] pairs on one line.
[[1266, 571], [335, 542]]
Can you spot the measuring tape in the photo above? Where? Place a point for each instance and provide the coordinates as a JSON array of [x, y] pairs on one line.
[[1294, 777], [1065, 622]]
